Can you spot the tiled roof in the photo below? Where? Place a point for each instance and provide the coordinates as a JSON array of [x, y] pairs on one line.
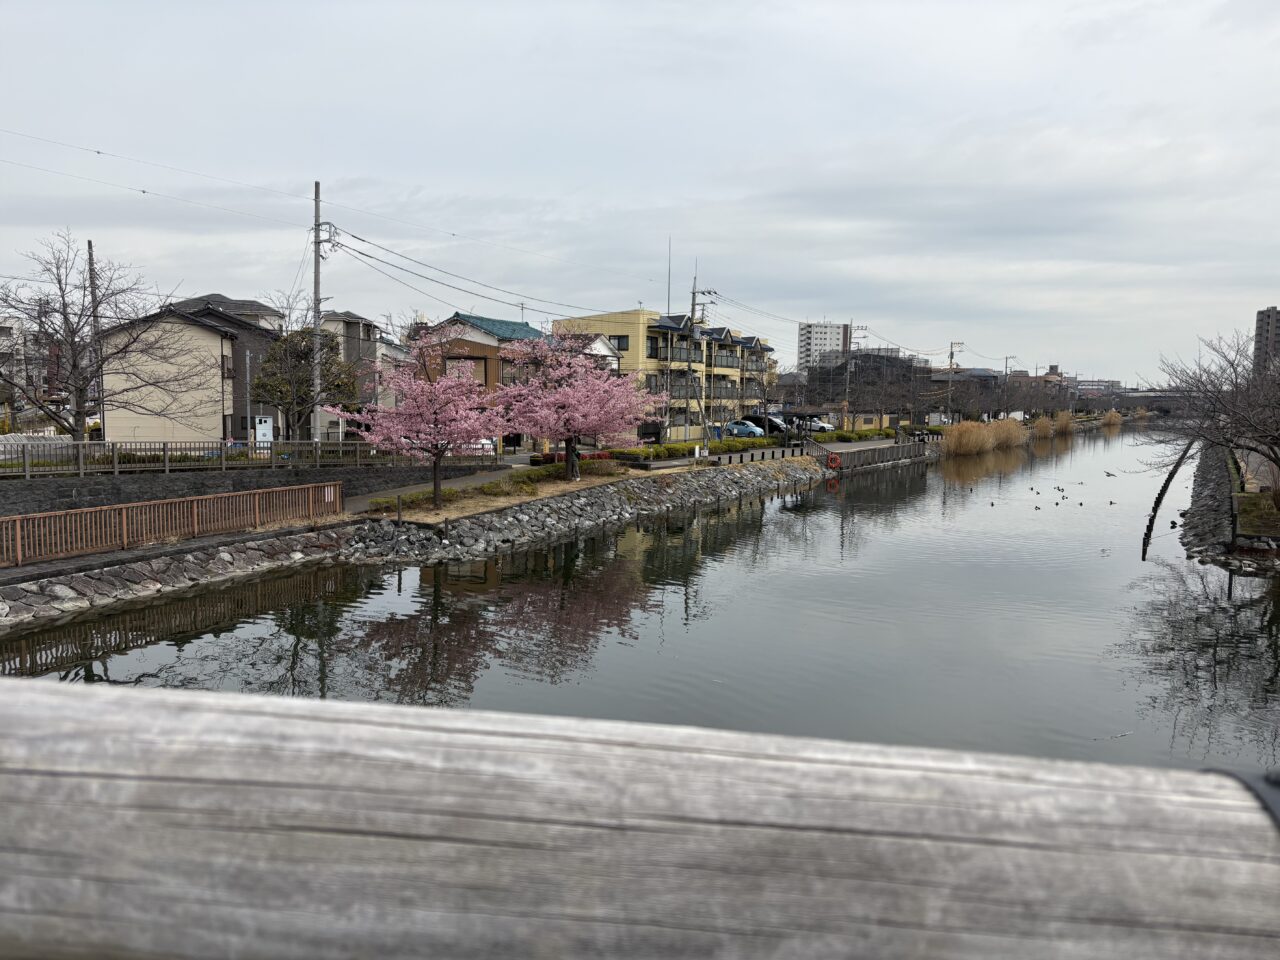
[[502, 329], [250, 308]]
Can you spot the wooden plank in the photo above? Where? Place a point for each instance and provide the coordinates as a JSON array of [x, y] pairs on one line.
[[182, 824]]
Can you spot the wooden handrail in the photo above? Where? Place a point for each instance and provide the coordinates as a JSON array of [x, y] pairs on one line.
[[185, 824]]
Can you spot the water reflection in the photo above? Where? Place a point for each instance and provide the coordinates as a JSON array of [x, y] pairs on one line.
[[937, 606], [965, 471], [1209, 645]]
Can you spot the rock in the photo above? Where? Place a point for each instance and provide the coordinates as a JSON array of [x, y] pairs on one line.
[[60, 591], [296, 555]]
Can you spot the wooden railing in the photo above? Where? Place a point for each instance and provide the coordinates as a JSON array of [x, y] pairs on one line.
[[179, 823], [67, 458], [70, 533]]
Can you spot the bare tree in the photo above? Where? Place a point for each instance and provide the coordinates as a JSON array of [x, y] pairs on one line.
[[65, 360], [1226, 402]]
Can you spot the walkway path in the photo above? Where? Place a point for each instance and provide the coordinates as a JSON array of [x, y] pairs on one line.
[[360, 504]]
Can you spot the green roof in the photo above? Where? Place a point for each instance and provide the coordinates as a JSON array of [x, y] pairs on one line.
[[502, 329]]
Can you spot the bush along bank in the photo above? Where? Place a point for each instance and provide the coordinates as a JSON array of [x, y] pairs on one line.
[[565, 517]]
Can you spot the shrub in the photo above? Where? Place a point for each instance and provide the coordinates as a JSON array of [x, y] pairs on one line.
[[1064, 423], [889, 433], [1042, 428], [1141, 413], [1111, 418], [1007, 434]]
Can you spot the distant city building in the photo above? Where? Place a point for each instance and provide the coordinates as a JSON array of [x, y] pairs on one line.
[[1099, 388], [1266, 338], [817, 340]]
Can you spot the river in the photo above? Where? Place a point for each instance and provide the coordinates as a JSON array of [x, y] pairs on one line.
[[932, 606]]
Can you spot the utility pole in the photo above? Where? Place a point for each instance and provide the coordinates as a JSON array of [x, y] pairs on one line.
[[1004, 398], [316, 332], [848, 360], [97, 342], [249, 426], [951, 373], [697, 396]]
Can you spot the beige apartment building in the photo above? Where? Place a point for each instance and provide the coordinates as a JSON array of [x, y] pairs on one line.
[[711, 375]]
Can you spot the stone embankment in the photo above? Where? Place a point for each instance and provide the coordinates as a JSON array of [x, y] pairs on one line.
[[59, 598], [569, 515], [555, 519], [1207, 525]]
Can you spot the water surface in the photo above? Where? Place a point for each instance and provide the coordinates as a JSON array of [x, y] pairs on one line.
[[926, 606]]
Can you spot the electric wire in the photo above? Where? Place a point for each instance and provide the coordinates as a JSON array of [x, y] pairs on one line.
[[148, 193], [481, 283], [295, 196]]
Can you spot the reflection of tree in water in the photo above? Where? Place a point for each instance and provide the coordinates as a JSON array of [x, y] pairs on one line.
[[1214, 646]]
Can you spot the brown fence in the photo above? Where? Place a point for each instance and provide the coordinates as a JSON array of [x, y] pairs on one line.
[[70, 533], [55, 458]]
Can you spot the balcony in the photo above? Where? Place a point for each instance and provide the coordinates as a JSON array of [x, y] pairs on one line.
[[723, 390], [684, 391], [677, 355], [728, 360], [755, 366]]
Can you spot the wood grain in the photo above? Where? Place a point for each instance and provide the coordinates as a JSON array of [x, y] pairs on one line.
[[182, 824]]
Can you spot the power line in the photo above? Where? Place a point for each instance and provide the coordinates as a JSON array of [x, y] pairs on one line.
[[352, 255], [295, 196], [481, 283], [474, 293], [147, 193]]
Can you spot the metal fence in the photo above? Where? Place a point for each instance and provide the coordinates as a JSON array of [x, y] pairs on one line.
[[65, 458], [71, 533], [852, 459]]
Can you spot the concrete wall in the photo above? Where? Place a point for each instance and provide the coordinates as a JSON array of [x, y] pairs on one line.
[[70, 493]]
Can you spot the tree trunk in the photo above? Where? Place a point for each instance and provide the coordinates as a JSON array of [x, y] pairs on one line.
[[437, 494], [571, 471]]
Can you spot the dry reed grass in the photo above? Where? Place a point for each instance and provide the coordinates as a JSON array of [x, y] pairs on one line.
[[971, 437], [1042, 428], [1112, 418], [1064, 423]]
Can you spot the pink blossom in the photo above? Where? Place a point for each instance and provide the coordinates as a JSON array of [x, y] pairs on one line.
[[565, 395], [435, 412]]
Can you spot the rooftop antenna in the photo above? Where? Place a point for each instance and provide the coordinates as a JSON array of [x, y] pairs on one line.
[[668, 274]]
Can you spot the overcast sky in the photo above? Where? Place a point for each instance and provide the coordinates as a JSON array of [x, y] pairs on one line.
[[1083, 183]]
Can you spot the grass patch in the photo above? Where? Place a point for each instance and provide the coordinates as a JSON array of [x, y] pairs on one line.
[[1256, 515], [1112, 418], [516, 483]]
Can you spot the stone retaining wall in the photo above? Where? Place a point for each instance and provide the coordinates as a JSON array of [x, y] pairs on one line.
[[43, 494], [60, 598], [565, 517], [552, 520], [1206, 525]]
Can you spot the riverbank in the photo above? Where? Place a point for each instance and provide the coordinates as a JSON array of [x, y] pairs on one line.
[[1209, 529], [552, 519]]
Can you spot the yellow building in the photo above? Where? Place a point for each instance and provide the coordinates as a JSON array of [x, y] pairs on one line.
[[711, 375]]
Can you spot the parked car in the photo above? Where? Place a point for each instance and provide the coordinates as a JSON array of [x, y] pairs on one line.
[[814, 425], [741, 428], [769, 424]]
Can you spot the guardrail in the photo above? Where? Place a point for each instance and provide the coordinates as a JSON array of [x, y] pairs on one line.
[[853, 459], [72, 533], [224, 824], [66, 458]]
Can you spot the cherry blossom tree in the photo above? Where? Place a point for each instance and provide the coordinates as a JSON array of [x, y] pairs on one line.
[[438, 409], [563, 394]]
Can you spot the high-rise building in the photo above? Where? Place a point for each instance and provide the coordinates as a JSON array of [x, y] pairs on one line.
[[817, 339], [1266, 339]]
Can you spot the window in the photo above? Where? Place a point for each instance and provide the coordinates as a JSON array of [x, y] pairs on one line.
[[228, 367], [621, 343], [651, 347]]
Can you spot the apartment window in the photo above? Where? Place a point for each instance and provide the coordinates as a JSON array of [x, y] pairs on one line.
[[228, 367], [651, 347], [621, 343]]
